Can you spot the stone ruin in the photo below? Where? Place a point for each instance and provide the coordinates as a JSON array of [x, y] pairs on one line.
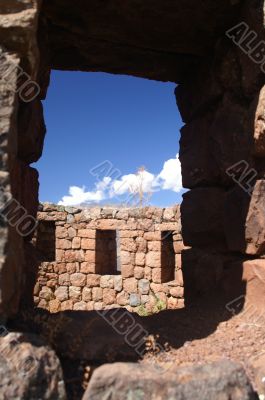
[[103, 258], [214, 52]]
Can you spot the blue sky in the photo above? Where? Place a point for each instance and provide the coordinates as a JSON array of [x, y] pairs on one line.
[[118, 122]]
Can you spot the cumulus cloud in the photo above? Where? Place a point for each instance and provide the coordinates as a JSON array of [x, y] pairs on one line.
[[78, 195], [170, 176], [131, 184], [168, 179]]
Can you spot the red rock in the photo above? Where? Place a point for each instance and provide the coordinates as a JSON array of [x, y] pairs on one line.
[[139, 272], [127, 271], [153, 259], [64, 279], [140, 259], [87, 233], [80, 306], [93, 280], [63, 244], [177, 292], [88, 244], [156, 275], [130, 285], [76, 243], [78, 279], [88, 268], [97, 294], [202, 221]]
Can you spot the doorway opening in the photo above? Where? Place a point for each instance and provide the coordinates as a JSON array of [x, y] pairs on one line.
[[168, 264]]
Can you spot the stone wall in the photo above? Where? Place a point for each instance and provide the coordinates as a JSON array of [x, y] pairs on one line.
[[22, 131], [222, 156], [100, 258], [220, 95]]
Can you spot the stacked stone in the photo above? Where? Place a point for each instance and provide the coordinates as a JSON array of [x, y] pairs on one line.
[[72, 281], [222, 156]]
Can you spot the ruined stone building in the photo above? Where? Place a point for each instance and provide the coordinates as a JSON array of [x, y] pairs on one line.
[[214, 52], [103, 258]]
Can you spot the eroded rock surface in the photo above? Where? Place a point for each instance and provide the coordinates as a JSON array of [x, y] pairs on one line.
[[29, 369], [219, 381], [150, 39]]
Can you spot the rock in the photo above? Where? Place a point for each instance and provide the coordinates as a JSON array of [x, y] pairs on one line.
[[80, 306], [177, 292], [222, 380], [231, 137], [244, 219], [78, 279], [258, 366], [153, 259], [107, 281], [258, 107], [97, 294], [109, 296], [135, 300], [139, 272], [70, 218], [31, 131], [154, 246], [63, 244], [172, 303], [25, 181], [71, 232], [128, 244], [192, 98], [140, 259], [75, 293], [166, 59], [87, 233], [54, 306], [127, 271], [46, 294], [255, 221], [64, 279], [29, 369], [72, 210], [202, 273], [86, 294], [61, 293], [88, 244], [76, 243], [93, 280], [144, 299], [118, 283], [144, 286], [244, 280], [123, 299], [198, 165], [235, 212], [202, 217], [156, 275], [126, 257], [130, 285]]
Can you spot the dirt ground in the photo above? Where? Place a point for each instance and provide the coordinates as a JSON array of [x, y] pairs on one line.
[[210, 332]]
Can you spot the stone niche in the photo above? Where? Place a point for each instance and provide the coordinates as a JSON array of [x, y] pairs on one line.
[[102, 258], [220, 95]]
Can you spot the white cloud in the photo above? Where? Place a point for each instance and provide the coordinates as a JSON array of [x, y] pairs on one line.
[[170, 176], [132, 182], [78, 195], [168, 179]]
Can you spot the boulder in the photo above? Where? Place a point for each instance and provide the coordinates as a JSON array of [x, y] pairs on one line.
[[197, 163], [29, 369], [31, 131], [202, 217], [222, 380]]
